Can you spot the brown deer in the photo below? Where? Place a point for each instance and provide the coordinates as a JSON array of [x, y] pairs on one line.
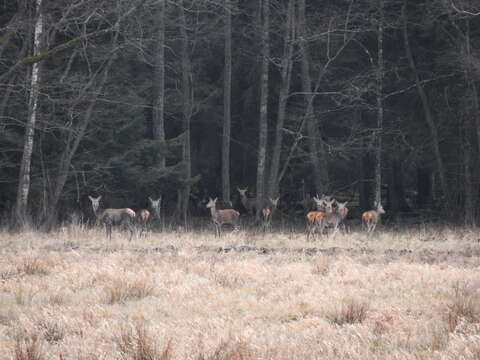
[[113, 217], [334, 215], [250, 204], [144, 215], [268, 211], [315, 221], [370, 218], [221, 217]]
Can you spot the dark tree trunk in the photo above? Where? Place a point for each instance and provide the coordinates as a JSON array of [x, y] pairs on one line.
[[227, 93], [262, 131]]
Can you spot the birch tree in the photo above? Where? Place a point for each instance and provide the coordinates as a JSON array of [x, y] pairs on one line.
[[227, 93], [24, 178]]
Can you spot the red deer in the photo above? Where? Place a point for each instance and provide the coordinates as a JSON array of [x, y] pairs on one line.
[[268, 211], [370, 218], [143, 215], [248, 203], [113, 217], [221, 217], [315, 221]]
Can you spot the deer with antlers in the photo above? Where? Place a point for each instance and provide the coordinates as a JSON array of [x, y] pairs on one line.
[[221, 217], [370, 218], [250, 204], [113, 217]]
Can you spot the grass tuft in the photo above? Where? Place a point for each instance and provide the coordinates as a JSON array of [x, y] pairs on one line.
[[464, 306], [351, 311], [122, 290], [138, 344], [27, 347], [33, 265]]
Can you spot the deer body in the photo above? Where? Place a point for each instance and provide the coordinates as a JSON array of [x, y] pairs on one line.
[[144, 215], [333, 216], [113, 217], [370, 218], [221, 217], [268, 211], [315, 221], [248, 203]]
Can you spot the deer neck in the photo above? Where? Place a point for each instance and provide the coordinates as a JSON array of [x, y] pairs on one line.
[[213, 211]]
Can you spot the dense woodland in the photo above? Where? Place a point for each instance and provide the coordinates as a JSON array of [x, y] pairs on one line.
[[367, 100]]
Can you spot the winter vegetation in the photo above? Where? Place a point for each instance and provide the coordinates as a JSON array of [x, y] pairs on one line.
[[403, 294]]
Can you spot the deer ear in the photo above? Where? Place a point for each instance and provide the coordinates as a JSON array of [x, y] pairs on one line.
[[91, 198], [150, 199], [99, 198], [215, 199]]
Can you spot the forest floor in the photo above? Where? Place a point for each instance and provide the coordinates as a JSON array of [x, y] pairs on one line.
[[402, 294]]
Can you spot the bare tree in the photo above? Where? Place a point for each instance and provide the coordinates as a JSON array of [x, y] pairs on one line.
[[263, 122], [426, 109], [227, 92], [379, 129], [316, 151], [187, 108], [286, 75], [159, 81], [24, 178]]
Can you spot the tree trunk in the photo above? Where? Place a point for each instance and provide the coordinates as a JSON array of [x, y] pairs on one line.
[[286, 74], [427, 111], [187, 91], [379, 129], [74, 139], [24, 178], [263, 122], [227, 93], [158, 122], [469, 203], [316, 152]]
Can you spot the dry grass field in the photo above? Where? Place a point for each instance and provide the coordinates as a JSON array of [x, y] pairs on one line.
[[400, 295]]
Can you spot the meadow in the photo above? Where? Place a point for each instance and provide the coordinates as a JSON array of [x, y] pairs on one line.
[[402, 294]]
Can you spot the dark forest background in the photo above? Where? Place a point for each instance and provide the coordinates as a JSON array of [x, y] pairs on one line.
[[367, 100]]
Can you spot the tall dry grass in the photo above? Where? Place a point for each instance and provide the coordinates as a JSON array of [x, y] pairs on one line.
[[411, 294]]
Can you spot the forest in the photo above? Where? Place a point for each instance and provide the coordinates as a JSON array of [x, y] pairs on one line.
[[366, 100]]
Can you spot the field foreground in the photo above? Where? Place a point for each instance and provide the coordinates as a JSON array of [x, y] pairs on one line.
[[401, 295]]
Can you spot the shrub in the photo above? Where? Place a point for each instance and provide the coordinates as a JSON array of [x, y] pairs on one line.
[[351, 311]]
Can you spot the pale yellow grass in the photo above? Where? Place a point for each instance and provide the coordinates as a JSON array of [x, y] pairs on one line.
[[400, 295]]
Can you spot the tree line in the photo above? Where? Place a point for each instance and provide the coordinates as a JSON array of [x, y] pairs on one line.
[[374, 101]]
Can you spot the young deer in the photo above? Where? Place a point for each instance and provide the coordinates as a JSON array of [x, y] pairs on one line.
[[315, 221], [267, 212], [221, 217], [144, 215], [334, 216], [370, 218], [112, 217], [248, 203]]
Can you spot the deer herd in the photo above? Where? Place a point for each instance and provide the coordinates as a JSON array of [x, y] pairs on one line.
[[328, 217]]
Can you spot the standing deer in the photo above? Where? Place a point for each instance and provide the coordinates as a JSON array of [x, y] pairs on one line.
[[315, 221], [370, 218], [143, 215], [112, 217], [221, 217], [334, 216], [267, 212], [248, 203]]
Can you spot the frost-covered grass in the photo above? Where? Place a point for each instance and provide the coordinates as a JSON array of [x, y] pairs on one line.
[[404, 294]]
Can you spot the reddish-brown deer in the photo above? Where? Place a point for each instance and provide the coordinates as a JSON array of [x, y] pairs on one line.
[[113, 217], [370, 218], [222, 217], [334, 215], [268, 211], [250, 204], [144, 215], [314, 222]]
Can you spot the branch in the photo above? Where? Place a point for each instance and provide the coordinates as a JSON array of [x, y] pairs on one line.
[[464, 11], [414, 85], [28, 60]]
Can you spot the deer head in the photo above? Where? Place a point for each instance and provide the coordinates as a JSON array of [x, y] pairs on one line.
[[380, 209], [211, 203], [341, 207], [243, 192], [95, 203], [328, 205], [155, 204], [319, 202], [274, 202]]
